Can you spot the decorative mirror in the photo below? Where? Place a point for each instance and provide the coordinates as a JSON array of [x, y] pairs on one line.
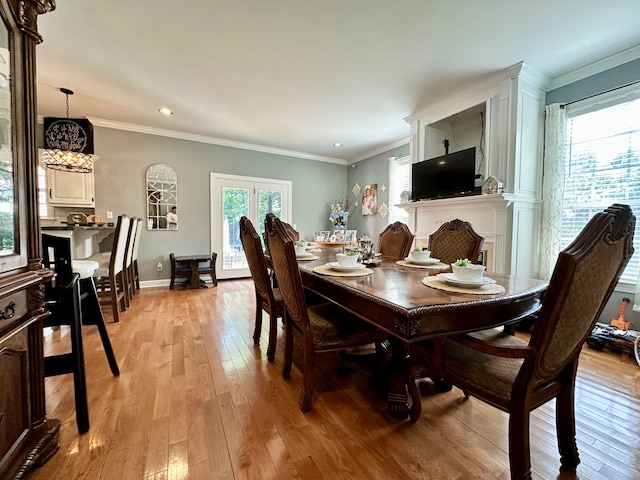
[[7, 193], [162, 198]]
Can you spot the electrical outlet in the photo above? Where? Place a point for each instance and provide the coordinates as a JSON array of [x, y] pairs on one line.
[[159, 266], [109, 215]]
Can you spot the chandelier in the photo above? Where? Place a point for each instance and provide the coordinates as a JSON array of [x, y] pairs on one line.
[[65, 139]]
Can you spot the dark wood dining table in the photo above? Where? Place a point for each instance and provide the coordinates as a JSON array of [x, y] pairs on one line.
[[395, 300]]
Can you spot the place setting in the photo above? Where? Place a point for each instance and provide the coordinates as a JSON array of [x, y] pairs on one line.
[[419, 258], [303, 252], [465, 277], [346, 265]]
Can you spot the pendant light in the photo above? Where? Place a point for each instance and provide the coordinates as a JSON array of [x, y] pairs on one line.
[[65, 139]]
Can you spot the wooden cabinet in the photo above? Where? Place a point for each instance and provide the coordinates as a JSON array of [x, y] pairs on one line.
[[27, 437], [70, 188]]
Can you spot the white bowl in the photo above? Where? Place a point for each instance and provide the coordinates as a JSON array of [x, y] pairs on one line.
[[300, 250], [472, 273], [345, 260], [302, 243], [419, 255]]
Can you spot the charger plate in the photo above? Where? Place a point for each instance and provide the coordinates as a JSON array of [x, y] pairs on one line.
[[435, 282], [436, 266], [325, 270], [306, 258]]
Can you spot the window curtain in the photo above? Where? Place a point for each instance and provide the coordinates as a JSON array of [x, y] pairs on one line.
[[552, 188]]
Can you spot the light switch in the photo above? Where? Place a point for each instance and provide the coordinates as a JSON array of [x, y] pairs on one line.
[[109, 215]]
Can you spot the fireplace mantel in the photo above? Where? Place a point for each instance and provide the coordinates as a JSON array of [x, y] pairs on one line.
[[506, 223]]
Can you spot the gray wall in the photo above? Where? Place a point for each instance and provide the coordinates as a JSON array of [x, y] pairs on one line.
[[612, 78], [120, 187], [372, 170]]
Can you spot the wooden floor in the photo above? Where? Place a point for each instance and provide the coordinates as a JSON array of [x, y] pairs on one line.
[[197, 400]]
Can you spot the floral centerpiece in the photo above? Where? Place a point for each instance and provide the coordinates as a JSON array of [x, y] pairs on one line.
[[339, 212]]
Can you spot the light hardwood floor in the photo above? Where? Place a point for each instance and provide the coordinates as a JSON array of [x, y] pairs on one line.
[[197, 400]]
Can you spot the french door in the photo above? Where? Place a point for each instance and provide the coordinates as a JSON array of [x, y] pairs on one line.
[[232, 197]]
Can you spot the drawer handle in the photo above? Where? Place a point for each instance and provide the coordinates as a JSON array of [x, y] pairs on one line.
[[8, 312]]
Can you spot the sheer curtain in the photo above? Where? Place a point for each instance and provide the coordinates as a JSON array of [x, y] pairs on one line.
[[552, 188]]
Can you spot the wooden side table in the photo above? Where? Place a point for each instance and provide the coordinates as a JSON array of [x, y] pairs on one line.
[[194, 262]]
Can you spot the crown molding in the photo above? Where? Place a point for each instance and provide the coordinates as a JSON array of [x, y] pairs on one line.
[[129, 127], [385, 148], [607, 63]]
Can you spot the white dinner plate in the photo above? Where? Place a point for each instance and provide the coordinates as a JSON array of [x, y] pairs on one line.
[[450, 278], [339, 268], [305, 254], [428, 261]]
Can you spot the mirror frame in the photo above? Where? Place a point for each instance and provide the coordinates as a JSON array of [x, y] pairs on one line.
[[162, 196]]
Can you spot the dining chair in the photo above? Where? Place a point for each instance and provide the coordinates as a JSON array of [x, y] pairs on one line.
[[267, 297], [127, 266], [109, 277], [320, 328], [455, 240], [395, 240], [516, 376], [178, 271], [209, 269], [292, 232], [136, 248]]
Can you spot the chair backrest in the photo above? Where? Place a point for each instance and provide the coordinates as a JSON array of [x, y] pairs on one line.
[[56, 254], [283, 258], [583, 279], [292, 232], [395, 240], [255, 258], [131, 240], [119, 248], [136, 245], [455, 240]]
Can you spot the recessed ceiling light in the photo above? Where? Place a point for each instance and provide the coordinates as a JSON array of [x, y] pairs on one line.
[[337, 144], [165, 111]]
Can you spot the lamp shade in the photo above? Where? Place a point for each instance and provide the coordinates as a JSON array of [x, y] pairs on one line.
[[68, 161]]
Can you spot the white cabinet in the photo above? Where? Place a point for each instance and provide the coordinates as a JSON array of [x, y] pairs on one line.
[[70, 189]]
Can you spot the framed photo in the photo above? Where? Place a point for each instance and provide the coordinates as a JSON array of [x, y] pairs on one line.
[[338, 235], [322, 236], [351, 236], [370, 199]]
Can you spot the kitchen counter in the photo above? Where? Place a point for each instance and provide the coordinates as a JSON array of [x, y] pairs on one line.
[[84, 238]]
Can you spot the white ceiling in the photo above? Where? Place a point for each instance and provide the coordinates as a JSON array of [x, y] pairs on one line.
[[299, 75]]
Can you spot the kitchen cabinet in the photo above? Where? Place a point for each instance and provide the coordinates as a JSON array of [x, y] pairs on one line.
[[70, 188]]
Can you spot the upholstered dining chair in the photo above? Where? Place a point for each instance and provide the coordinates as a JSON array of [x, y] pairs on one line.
[[454, 240], [395, 240], [127, 266], [267, 297], [518, 376], [109, 277], [292, 232], [136, 247], [320, 328]]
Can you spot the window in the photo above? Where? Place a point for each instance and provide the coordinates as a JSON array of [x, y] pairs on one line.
[[602, 166], [399, 181], [43, 208]]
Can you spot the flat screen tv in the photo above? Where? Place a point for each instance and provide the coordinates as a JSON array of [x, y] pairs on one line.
[[451, 175]]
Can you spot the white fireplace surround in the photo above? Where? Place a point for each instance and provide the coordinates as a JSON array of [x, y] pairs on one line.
[[509, 250]]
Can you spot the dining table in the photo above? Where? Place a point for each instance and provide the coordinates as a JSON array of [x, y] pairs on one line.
[[411, 303]]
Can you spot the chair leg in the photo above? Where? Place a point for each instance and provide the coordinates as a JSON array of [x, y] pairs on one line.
[[566, 423], [257, 329], [306, 395], [113, 293], [519, 449], [288, 350], [92, 315], [273, 335]]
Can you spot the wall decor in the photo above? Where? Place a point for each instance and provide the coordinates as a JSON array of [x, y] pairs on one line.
[[383, 210], [370, 199], [356, 190], [383, 188]]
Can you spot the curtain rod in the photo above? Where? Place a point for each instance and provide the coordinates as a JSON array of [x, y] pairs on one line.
[[601, 93]]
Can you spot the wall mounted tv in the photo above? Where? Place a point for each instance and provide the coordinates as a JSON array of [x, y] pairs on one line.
[[451, 175]]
